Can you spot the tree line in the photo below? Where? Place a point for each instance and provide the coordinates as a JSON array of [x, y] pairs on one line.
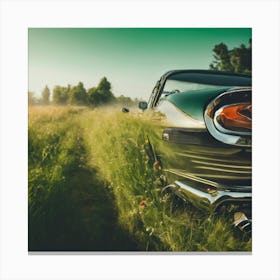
[[236, 60], [78, 95]]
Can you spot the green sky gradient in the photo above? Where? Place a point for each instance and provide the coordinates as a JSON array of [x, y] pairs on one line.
[[132, 59]]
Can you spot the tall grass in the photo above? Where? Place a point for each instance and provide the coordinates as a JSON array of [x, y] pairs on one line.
[[69, 209], [111, 149]]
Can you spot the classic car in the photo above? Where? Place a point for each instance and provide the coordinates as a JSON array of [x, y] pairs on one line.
[[206, 138]]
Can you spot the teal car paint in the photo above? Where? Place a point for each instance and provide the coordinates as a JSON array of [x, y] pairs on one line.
[[193, 102]]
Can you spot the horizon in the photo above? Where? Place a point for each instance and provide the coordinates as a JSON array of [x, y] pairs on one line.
[[132, 59]]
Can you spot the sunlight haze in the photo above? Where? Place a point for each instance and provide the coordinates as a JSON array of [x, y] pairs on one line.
[[132, 59]]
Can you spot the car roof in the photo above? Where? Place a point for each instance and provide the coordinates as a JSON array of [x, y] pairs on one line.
[[209, 77]]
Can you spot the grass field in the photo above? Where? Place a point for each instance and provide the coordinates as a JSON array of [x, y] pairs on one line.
[[92, 187]]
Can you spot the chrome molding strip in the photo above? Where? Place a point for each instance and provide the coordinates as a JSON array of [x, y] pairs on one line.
[[194, 178], [223, 169], [197, 177], [222, 165], [247, 176]]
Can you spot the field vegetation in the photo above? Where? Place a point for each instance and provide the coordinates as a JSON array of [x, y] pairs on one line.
[[92, 187]]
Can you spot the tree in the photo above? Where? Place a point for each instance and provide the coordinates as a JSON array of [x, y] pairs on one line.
[[94, 97], [104, 85], [101, 94], [31, 98], [222, 58], [46, 96], [60, 95], [78, 95], [241, 59], [104, 88], [124, 101], [238, 60]]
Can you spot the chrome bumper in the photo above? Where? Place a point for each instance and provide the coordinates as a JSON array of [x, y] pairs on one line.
[[211, 199]]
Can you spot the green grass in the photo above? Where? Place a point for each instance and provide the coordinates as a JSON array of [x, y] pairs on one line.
[[92, 187]]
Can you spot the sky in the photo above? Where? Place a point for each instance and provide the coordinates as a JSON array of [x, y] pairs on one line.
[[132, 59]]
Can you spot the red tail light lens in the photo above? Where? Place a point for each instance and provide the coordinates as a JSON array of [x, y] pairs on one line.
[[228, 117], [237, 117]]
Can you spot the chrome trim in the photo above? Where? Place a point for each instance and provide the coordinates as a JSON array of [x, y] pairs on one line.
[[222, 165], [223, 135], [223, 176], [223, 169], [210, 200], [205, 179], [238, 90], [195, 178]]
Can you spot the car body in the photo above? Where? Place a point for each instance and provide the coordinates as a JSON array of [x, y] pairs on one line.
[[205, 145]]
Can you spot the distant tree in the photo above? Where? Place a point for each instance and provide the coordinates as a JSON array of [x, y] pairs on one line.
[[104, 88], [31, 98], [78, 95], [101, 94], [124, 100], [45, 99], [94, 97], [104, 85], [238, 60], [60, 95]]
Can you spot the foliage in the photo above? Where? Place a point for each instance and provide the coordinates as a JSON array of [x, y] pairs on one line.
[[101, 94], [126, 101], [95, 97], [46, 96], [60, 95], [78, 95], [237, 60], [90, 175], [241, 59], [31, 98], [104, 86]]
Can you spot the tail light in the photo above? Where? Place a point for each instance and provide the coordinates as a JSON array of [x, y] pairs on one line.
[[237, 117], [228, 117]]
